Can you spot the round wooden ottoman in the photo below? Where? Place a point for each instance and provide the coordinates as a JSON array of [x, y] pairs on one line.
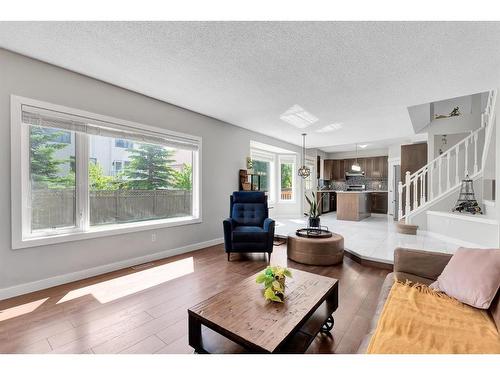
[[316, 251]]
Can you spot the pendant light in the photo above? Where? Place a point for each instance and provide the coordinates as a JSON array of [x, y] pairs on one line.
[[304, 171], [356, 167]]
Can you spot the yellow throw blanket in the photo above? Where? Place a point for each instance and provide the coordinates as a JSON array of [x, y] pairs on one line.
[[419, 320]]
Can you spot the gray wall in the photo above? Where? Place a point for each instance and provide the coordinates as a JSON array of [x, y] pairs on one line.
[[225, 148]]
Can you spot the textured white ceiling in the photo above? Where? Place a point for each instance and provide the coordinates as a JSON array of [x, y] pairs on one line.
[[361, 74]]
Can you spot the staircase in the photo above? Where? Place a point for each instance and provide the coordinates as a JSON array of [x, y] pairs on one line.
[[434, 187]]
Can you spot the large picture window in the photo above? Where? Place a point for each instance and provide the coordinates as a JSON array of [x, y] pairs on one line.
[[82, 174]]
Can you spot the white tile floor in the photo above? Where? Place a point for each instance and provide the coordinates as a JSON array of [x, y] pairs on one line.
[[373, 238]]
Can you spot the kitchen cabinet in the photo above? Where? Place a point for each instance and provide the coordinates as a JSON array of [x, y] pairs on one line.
[[353, 206], [362, 163], [335, 172], [333, 202], [379, 202], [341, 170], [374, 167], [328, 169], [338, 170], [377, 168], [347, 165], [369, 167]]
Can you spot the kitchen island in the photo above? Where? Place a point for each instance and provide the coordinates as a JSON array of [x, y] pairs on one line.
[[353, 205]]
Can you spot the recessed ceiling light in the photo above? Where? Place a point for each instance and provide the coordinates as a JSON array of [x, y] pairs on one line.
[[362, 146], [298, 117], [330, 128]]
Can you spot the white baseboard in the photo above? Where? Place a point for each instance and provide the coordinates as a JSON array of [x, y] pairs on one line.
[[33, 286]]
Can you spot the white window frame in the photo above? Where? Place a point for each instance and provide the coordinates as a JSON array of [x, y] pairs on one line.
[[20, 182], [287, 159], [260, 155]]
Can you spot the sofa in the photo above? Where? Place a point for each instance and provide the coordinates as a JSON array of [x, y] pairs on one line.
[[420, 267]]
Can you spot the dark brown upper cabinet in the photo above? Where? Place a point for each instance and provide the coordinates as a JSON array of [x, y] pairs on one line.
[[328, 169], [374, 167]]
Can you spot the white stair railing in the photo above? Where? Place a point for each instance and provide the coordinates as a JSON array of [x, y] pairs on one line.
[[423, 187]]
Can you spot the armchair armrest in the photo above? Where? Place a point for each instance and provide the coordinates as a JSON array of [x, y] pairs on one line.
[[426, 264], [228, 225], [269, 228], [269, 225], [229, 222]]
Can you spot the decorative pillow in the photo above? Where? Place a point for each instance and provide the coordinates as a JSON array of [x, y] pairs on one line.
[[472, 276]]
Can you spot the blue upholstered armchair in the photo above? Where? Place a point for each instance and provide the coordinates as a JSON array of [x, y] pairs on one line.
[[249, 229]]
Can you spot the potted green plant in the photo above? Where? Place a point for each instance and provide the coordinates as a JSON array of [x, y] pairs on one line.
[[274, 279], [314, 205]]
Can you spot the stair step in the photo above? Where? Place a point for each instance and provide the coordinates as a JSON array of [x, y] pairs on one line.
[[404, 228], [463, 216]]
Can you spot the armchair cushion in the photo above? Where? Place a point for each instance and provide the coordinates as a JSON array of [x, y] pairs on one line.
[[249, 234], [252, 214]]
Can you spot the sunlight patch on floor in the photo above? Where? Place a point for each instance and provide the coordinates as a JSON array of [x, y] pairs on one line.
[[23, 309], [122, 286]]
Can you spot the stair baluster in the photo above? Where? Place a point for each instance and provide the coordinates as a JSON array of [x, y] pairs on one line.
[[422, 189], [400, 194], [475, 153], [439, 176], [415, 192], [407, 193], [448, 183]]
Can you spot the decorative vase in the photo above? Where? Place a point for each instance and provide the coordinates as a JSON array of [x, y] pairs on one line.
[[314, 222]]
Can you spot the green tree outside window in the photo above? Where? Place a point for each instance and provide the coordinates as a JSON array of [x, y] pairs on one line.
[[149, 168]]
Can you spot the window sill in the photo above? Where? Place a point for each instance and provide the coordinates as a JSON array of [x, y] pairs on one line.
[[103, 231]]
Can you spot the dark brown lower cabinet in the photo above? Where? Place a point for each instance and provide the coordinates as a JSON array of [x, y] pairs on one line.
[[333, 201], [379, 203]]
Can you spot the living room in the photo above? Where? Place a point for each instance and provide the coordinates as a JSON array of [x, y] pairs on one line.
[[249, 187]]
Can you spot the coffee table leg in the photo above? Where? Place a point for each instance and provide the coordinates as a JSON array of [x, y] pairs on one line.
[[194, 332], [328, 324]]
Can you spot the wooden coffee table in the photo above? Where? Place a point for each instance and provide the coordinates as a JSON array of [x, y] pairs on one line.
[[239, 319]]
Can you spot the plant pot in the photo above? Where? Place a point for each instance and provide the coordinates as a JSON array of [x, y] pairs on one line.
[[314, 222]]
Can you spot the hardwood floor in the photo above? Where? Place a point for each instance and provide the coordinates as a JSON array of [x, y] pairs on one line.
[[143, 310]]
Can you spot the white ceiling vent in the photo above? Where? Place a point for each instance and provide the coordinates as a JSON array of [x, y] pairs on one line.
[[298, 117]]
